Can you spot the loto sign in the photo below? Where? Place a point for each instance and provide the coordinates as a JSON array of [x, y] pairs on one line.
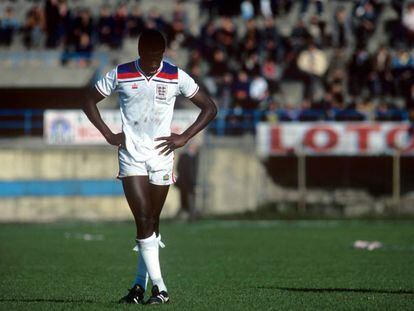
[[334, 138]]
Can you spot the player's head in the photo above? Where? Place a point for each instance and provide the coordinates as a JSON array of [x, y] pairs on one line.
[[151, 48]]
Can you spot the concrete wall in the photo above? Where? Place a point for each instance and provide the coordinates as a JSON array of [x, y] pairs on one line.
[[40, 162]]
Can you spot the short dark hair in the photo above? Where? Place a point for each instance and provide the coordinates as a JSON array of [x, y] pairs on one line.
[[151, 39]]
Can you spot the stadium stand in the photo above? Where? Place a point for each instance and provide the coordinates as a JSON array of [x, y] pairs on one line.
[[261, 59]]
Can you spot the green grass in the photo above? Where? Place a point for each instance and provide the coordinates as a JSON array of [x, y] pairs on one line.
[[222, 265]]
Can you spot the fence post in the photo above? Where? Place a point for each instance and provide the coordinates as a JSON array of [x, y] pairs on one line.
[[27, 122], [396, 180], [302, 181]]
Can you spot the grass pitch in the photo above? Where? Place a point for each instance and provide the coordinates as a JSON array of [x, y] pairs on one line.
[[222, 265]]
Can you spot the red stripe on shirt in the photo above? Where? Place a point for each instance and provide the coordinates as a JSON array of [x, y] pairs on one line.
[[168, 76], [128, 75]]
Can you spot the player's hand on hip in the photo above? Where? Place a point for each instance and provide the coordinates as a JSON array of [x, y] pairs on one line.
[[116, 139], [170, 143]]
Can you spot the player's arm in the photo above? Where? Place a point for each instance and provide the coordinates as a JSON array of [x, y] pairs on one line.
[[91, 110], [207, 114]]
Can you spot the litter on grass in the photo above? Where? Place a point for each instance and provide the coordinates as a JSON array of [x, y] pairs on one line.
[[84, 236], [368, 245]]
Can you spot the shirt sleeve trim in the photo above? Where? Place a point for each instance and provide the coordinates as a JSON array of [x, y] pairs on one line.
[[195, 92], [100, 91]]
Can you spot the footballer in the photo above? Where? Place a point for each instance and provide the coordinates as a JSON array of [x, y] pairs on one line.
[[147, 88]]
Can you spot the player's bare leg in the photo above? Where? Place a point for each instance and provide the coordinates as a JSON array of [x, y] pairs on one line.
[[138, 194], [158, 194]]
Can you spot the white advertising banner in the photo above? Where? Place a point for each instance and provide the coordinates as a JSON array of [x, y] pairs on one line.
[[334, 138], [72, 127]]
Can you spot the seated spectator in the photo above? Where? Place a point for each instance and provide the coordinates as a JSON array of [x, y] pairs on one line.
[[402, 69], [313, 62], [271, 113], [349, 114], [180, 21], [84, 48], [341, 28], [135, 22], [305, 4], [8, 27], [365, 20], [247, 10], [289, 113], [358, 70], [408, 22], [317, 30], [300, 36], [240, 90], [105, 26], [52, 17], [33, 27], [387, 112], [271, 72], [258, 90], [382, 77], [309, 113], [120, 26]]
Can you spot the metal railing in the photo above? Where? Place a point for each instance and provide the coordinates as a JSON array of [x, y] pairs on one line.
[[25, 120], [228, 121]]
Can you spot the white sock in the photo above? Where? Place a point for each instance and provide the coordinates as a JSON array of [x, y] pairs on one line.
[[141, 277], [149, 249]]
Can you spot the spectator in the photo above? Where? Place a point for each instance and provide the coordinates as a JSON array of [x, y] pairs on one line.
[[247, 10], [272, 73], [52, 19], [305, 4], [382, 79], [8, 26], [33, 27], [120, 26], [241, 88], [226, 37], [314, 63], [187, 180], [85, 48], [258, 90], [365, 19], [135, 22], [358, 71], [180, 21], [402, 68], [105, 26], [341, 29], [300, 36], [408, 22]]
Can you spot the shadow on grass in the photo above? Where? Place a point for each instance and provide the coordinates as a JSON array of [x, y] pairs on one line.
[[29, 300], [339, 290]]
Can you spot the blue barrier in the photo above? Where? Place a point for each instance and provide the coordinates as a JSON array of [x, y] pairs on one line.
[[18, 188]]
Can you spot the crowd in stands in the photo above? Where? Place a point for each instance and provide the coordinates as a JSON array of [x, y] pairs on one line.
[[244, 70]]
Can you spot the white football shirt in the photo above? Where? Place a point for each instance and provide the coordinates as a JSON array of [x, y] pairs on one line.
[[146, 103]]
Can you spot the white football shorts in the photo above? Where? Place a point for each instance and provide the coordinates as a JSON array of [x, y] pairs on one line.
[[159, 169]]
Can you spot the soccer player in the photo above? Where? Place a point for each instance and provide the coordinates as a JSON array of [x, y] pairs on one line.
[[147, 88]]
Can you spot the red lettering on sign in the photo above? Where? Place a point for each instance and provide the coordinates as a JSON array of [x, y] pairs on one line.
[[392, 135], [363, 131], [276, 144], [309, 139]]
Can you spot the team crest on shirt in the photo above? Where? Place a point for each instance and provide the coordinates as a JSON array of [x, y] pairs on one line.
[[134, 86], [161, 91]]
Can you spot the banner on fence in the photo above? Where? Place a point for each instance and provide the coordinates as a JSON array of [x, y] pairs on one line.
[[72, 127], [334, 138]]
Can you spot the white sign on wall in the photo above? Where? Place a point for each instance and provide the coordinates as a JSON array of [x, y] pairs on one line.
[[334, 138], [72, 127]]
